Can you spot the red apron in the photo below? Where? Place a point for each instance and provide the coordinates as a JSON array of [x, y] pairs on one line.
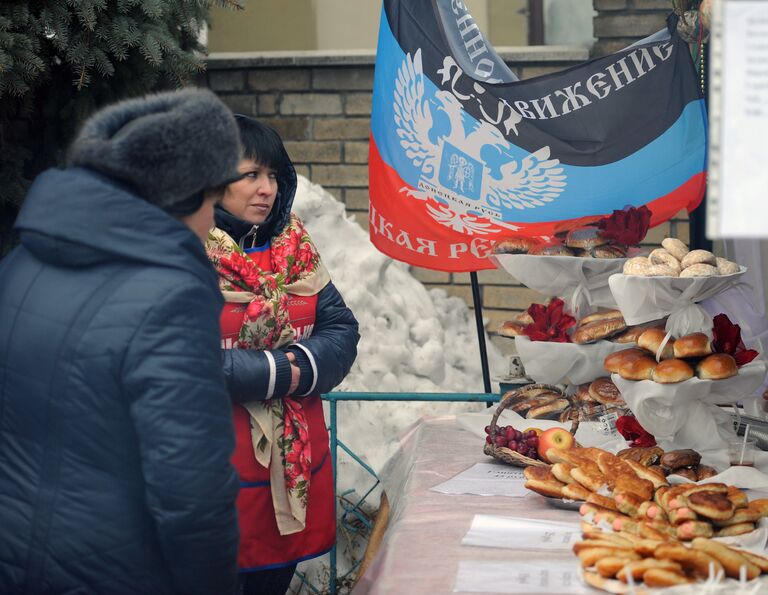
[[261, 545]]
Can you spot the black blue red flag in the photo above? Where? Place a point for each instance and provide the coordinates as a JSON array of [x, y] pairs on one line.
[[463, 153]]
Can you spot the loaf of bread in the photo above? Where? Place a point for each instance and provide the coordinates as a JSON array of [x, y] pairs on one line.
[[514, 246], [717, 366], [607, 315], [600, 329]]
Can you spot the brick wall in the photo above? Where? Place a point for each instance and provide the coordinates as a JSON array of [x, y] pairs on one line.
[[320, 103]]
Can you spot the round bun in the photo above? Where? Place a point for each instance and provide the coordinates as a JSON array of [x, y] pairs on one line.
[[726, 267], [614, 361], [699, 270], [604, 391], [674, 459], [672, 370], [693, 345], [698, 257], [637, 265], [640, 368], [675, 247], [514, 246], [661, 256], [717, 367], [662, 270], [651, 340], [550, 250], [584, 237]]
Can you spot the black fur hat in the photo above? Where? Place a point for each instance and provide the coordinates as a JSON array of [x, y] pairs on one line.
[[168, 147]]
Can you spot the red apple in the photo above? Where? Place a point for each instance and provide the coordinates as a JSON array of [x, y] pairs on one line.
[[554, 438]]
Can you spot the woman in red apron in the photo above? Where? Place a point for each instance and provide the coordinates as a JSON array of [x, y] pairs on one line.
[[287, 337]]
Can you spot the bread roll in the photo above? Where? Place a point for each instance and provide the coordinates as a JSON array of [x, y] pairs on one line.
[[640, 368], [698, 257], [671, 371], [717, 366], [726, 267], [609, 251], [699, 270], [607, 315], [515, 245], [600, 329], [636, 266], [693, 345], [675, 247], [631, 335], [652, 339], [614, 361]]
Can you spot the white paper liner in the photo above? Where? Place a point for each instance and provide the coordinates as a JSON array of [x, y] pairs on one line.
[[582, 283], [684, 415], [564, 363], [643, 299]]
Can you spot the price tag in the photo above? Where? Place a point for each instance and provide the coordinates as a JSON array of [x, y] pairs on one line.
[[608, 423]]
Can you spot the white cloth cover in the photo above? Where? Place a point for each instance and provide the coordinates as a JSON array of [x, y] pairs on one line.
[[685, 415], [642, 299], [582, 283], [565, 363]]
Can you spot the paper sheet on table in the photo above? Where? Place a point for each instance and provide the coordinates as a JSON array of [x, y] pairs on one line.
[[486, 479], [541, 576], [522, 534]]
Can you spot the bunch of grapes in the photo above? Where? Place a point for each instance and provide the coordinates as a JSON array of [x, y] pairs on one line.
[[524, 443]]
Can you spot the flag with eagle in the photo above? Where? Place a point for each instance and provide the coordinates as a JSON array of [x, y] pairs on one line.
[[462, 153]]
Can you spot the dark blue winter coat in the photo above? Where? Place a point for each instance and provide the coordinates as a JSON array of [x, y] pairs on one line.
[[115, 423]]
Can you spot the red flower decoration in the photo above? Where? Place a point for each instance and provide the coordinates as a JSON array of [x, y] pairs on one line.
[[632, 431], [627, 226], [550, 322], [727, 339]]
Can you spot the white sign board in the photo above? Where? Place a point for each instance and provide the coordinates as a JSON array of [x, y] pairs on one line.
[[737, 199]]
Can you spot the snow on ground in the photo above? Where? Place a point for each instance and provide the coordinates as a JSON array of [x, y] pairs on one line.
[[412, 339]]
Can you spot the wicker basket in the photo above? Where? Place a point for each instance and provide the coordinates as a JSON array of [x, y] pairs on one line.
[[502, 452]]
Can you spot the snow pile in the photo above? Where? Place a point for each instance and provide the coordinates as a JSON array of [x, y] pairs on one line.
[[412, 340]]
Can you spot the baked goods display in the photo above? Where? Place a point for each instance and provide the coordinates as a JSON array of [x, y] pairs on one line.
[[674, 259], [680, 359]]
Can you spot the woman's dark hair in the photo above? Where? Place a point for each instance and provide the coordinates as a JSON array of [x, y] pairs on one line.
[[261, 143]]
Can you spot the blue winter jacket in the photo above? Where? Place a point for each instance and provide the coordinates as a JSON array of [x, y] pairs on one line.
[[115, 423]]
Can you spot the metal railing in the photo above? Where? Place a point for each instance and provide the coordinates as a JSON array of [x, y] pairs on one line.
[[351, 508]]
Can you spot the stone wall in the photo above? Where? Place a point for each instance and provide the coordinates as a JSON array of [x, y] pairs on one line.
[[320, 103]]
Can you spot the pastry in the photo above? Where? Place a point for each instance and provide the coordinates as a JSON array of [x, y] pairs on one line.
[[652, 340], [523, 402], [562, 472], [660, 578], [733, 530], [705, 472], [661, 256], [726, 267], [675, 247], [541, 481], [512, 329], [691, 529], [597, 316], [711, 505], [604, 391], [582, 394], [609, 251], [640, 368], [631, 335], [600, 329], [698, 257], [688, 472], [589, 479], [731, 560], [717, 367], [738, 497], [699, 270], [522, 318], [694, 561], [585, 238], [550, 250], [674, 459], [553, 408], [670, 371], [646, 456], [515, 246], [637, 265], [638, 569], [693, 345], [655, 477], [760, 561], [575, 491], [615, 360]]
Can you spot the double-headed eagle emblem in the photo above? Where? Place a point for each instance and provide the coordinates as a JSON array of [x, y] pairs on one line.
[[459, 189]]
